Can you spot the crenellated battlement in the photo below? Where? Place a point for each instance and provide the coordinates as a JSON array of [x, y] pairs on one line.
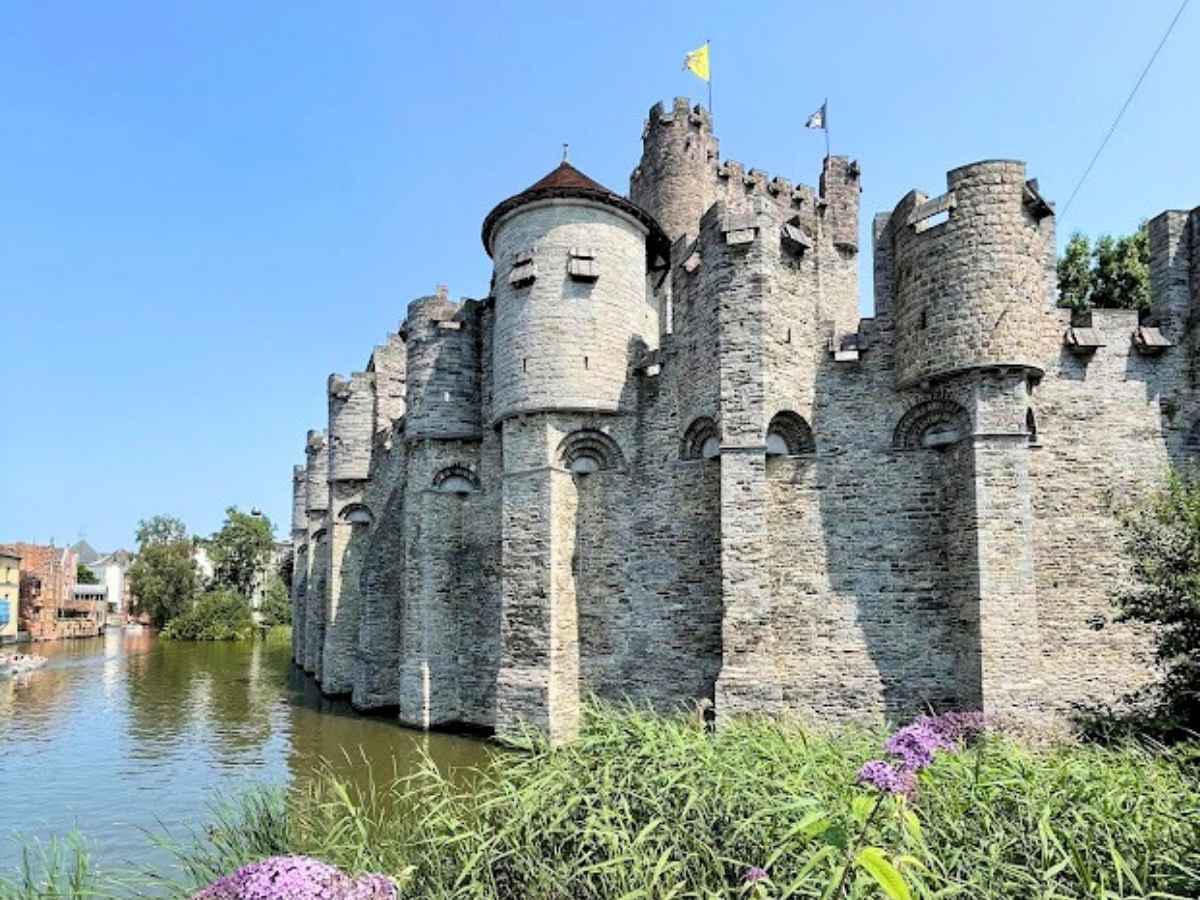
[[682, 116], [681, 175], [441, 337], [389, 362], [316, 496], [351, 425], [1175, 269], [952, 314], [299, 516]]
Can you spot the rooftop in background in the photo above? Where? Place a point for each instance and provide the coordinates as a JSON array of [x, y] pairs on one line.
[[85, 551]]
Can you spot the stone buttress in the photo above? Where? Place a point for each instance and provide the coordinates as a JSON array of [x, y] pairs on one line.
[[316, 507], [351, 438], [299, 559]]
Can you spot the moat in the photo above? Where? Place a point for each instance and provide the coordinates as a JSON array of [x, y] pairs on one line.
[[123, 735]]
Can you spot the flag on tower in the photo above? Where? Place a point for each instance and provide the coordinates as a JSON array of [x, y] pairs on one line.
[[697, 62], [817, 119]]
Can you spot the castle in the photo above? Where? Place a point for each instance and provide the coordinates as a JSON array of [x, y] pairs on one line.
[[664, 459]]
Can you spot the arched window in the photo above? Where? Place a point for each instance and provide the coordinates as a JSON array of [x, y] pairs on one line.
[[356, 514], [589, 450], [1031, 426], [701, 440], [789, 435], [456, 479], [932, 424]]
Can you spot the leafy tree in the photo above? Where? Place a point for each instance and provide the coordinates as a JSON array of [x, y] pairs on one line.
[[1162, 537], [161, 530], [84, 575], [241, 551], [276, 607], [163, 578], [216, 616], [1075, 273], [1122, 273], [1115, 274]]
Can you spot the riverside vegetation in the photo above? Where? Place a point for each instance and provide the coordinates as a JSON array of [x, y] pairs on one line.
[[653, 806], [168, 586]]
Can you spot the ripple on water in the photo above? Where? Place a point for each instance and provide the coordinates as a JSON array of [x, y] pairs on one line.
[[123, 735]]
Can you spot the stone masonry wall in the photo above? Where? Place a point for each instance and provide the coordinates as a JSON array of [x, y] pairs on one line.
[[713, 482]]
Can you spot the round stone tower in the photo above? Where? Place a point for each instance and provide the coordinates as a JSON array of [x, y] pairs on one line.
[[442, 368], [571, 298], [675, 180], [970, 274]]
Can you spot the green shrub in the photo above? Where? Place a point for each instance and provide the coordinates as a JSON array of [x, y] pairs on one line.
[[276, 607], [216, 616], [1162, 538]]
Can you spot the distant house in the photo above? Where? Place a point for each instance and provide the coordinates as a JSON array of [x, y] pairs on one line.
[[10, 594], [85, 552], [87, 612], [48, 609], [112, 570]]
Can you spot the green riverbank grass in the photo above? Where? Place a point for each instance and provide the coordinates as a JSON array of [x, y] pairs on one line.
[[653, 807]]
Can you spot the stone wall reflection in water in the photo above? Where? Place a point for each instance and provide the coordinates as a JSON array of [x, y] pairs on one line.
[[119, 734]]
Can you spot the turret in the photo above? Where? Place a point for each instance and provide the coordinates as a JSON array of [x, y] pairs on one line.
[[572, 305], [316, 494], [970, 286], [300, 560], [351, 414], [442, 368], [299, 494], [389, 363], [840, 189], [1174, 269], [675, 179]]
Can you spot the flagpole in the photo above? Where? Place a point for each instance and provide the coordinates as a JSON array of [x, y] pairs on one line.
[[825, 107]]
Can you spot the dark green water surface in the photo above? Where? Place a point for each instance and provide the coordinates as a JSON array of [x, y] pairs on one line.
[[126, 734]]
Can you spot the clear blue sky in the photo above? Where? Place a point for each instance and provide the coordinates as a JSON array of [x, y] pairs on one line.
[[209, 207]]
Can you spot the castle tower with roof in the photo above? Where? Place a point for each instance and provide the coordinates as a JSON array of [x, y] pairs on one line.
[[665, 459]]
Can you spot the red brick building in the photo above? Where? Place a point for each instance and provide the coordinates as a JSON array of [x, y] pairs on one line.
[[48, 607]]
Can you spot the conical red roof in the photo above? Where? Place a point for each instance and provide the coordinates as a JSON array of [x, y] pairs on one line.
[[567, 181]]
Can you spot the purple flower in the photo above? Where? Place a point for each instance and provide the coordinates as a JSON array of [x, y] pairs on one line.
[[755, 873], [296, 878], [885, 777], [960, 728], [915, 745]]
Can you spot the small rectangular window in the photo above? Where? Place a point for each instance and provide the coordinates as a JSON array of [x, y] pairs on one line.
[[523, 272], [582, 265]]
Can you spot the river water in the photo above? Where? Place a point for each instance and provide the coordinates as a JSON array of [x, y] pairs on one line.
[[125, 734]]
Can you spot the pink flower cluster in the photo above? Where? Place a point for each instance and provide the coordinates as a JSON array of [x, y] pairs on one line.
[[296, 878], [913, 748]]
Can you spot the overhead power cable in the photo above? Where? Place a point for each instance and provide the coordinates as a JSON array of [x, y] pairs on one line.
[[1128, 100]]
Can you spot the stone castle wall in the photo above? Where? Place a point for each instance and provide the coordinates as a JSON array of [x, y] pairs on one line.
[[706, 478]]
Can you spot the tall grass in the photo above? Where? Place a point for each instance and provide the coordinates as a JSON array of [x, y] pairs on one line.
[[62, 869], [647, 806], [654, 807]]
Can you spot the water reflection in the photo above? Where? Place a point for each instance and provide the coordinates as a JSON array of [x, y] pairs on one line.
[[117, 735]]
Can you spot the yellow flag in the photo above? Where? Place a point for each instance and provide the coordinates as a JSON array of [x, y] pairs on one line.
[[697, 62]]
